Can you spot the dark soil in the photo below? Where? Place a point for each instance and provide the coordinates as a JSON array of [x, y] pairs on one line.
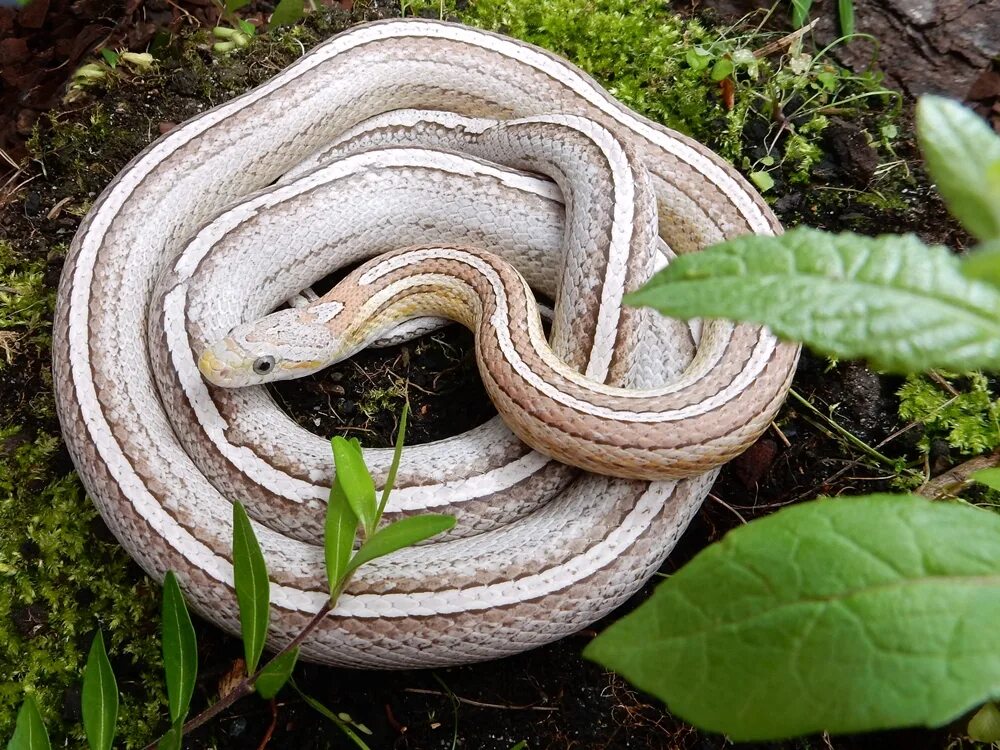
[[550, 697]]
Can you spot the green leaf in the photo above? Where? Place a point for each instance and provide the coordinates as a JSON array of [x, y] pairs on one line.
[[100, 697], [850, 615], [985, 725], [110, 56], [172, 739], [762, 180], [723, 68], [287, 12], [989, 477], [845, 10], [274, 676], [180, 649], [253, 589], [404, 533], [338, 538], [232, 5], [697, 58], [357, 483], [800, 12], [983, 263], [963, 157], [29, 731], [246, 27], [901, 304], [397, 454]]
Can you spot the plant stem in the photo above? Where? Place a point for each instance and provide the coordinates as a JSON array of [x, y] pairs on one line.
[[850, 437], [245, 686]]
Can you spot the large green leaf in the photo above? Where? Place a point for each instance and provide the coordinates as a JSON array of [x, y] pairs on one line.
[[963, 157], [29, 731], [893, 300], [356, 481], [287, 12], [253, 589], [837, 615], [403, 533], [180, 649], [99, 697], [338, 537], [274, 676]]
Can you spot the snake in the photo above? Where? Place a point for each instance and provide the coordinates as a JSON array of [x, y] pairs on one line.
[[391, 139]]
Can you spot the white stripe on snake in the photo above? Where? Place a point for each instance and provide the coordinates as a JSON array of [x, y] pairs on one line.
[[541, 550]]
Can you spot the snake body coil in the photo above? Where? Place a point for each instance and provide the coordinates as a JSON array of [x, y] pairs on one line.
[[541, 550]]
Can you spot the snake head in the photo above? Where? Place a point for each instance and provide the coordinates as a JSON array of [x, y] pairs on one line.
[[283, 345]]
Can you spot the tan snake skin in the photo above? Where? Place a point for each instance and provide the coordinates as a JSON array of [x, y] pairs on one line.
[[540, 551]]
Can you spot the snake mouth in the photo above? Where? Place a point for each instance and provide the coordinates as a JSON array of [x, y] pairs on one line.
[[213, 369]]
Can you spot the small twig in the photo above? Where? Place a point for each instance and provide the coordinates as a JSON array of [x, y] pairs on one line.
[[954, 479], [785, 41], [727, 506], [478, 704], [781, 435], [847, 435], [939, 379], [270, 727]]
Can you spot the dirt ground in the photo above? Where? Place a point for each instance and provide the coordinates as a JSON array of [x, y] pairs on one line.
[[550, 697]]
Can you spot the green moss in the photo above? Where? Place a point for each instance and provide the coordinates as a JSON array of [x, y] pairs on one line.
[[965, 413], [26, 303], [58, 585], [666, 67]]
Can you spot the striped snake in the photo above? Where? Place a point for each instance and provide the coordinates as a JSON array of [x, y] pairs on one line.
[[214, 225]]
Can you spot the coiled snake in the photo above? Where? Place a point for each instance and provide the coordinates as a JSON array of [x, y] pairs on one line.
[[540, 550]]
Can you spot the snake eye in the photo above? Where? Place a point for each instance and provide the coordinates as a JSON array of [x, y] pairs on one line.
[[263, 365]]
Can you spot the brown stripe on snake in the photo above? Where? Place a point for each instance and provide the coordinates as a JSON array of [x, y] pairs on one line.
[[113, 415], [612, 431]]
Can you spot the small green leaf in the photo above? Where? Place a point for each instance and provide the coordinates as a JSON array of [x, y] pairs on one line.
[[800, 12], [903, 305], [100, 697], [287, 12], [232, 5], [845, 10], [338, 722], [180, 649], [253, 589], [697, 58], [274, 676], [723, 68], [989, 477], [985, 725], [851, 614], [110, 56], [404, 533], [762, 180], [983, 262], [246, 27], [397, 454], [172, 739], [357, 483], [963, 157], [338, 538], [29, 731]]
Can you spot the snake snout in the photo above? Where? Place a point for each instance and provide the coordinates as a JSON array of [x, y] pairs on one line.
[[214, 370]]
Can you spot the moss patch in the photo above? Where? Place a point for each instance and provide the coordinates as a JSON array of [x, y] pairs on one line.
[[767, 113]]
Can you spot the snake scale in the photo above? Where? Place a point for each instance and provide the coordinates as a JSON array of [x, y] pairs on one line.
[[510, 149]]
